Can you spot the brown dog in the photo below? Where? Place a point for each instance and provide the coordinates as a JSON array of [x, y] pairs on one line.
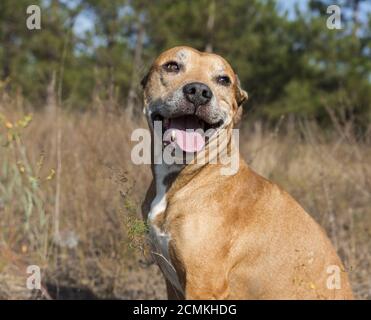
[[218, 235]]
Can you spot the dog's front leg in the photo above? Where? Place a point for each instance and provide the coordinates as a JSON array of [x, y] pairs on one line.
[[206, 285]]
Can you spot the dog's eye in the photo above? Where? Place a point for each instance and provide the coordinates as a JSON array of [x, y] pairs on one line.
[[223, 80], [171, 66]]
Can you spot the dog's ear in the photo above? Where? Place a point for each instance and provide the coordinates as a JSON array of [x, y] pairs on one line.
[[238, 115], [144, 80], [241, 95]]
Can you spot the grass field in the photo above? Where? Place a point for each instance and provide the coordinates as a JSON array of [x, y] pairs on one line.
[[70, 199]]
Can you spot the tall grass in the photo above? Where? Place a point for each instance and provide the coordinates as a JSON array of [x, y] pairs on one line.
[[96, 253]]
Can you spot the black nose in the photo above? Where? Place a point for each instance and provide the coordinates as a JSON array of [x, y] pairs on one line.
[[197, 93]]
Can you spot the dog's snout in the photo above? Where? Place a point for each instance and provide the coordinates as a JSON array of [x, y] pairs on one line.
[[197, 93]]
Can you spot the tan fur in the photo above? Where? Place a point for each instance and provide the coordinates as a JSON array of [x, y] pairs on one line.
[[239, 236]]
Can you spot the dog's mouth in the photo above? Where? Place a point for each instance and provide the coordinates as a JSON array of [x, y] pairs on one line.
[[188, 132]]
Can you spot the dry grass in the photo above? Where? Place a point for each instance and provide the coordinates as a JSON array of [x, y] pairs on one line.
[[90, 255], [69, 200]]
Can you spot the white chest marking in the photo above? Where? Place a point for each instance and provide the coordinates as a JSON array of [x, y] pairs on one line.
[[160, 239]]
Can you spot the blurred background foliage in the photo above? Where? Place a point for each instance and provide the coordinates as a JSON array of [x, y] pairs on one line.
[[288, 60]]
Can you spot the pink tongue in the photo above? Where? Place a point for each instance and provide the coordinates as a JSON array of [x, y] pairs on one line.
[[188, 141]]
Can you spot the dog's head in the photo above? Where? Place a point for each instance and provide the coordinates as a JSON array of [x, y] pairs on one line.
[[190, 90]]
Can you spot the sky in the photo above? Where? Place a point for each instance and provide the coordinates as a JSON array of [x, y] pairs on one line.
[[289, 5]]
